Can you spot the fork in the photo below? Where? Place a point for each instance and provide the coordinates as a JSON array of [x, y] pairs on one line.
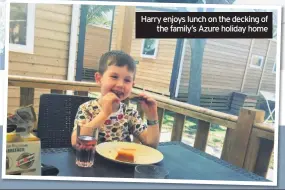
[[137, 98]]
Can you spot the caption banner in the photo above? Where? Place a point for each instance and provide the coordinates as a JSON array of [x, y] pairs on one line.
[[204, 25]]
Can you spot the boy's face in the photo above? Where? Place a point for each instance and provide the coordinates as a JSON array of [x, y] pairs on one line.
[[118, 80]]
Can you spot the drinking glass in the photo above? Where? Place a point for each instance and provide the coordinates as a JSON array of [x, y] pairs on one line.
[[86, 142], [151, 172]]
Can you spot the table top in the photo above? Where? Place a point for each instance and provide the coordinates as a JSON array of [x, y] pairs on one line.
[[181, 160]]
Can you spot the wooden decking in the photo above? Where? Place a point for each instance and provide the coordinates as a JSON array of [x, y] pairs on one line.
[[248, 142]]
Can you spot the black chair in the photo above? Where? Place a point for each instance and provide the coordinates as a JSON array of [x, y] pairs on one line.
[[56, 118]]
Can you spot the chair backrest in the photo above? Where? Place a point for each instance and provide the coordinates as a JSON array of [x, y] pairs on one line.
[[56, 118]]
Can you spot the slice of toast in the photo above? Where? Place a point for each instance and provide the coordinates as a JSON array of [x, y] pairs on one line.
[[126, 155]]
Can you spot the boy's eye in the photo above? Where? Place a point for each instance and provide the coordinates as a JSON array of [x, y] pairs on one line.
[[127, 80], [114, 77]]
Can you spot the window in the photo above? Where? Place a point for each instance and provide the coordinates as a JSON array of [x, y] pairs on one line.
[[22, 25], [149, 48], [274, 68], [256, 61]]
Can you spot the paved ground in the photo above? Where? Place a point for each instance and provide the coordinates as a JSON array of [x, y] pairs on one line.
[[166, 136]]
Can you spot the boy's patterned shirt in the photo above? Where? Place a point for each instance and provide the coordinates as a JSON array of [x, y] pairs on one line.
[[118, 127]]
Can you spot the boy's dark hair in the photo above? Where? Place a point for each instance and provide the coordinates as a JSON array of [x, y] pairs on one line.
[[118, 58]]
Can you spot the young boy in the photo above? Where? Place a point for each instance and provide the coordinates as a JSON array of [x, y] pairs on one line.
[[116, 121]]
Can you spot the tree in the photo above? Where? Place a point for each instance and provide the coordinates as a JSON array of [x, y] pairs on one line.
[[97, 14]]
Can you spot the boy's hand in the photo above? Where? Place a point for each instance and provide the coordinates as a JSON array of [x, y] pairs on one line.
[[149, 107], [108, 103]]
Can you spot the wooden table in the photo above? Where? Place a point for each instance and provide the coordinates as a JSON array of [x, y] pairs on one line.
[[182, 162]]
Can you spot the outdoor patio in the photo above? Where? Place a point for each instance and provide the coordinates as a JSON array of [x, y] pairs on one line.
[[62, 57], [246, 135]]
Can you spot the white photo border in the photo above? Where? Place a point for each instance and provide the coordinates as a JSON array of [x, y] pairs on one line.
[[278, 59]]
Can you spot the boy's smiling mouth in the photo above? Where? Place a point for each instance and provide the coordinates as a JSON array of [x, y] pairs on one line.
[[119, 94]]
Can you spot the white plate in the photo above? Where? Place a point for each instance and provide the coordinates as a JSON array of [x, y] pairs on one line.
[[143, 154]]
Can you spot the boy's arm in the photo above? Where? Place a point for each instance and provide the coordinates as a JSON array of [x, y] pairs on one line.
[[146, 134], [106, 110], [96, 122], [150, 136]]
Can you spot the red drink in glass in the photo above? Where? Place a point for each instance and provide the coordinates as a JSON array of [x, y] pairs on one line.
[[85, 146]]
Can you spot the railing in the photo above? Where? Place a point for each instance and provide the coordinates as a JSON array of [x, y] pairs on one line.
[[248, 142]]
